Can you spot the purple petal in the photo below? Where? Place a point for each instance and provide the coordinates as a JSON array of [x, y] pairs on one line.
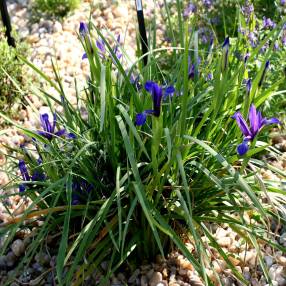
[[248, 85], [101, 46], [45, 122], [83, 29], [226, 43], [71, 136], [267, 64], [149, 85], [260, 119], [54, 123], [38, 176], [45, 134], [242, 148], [191, 72], [118, 39], [157, 93], [272, 120], [84, 56], [22, 188], [23, 170], [140, 118], [242, 124], [254, 120], [60, 132], [169, 90]]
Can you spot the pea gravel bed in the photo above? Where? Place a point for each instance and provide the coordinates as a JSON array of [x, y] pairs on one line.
[[58, 40]]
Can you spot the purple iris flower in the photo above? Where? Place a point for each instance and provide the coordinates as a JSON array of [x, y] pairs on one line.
[[283, 2], [84, 33], [156, 92], [248, 86], [268, 23], [210, 76], [102, 49], [283, 40], [49, 128], [247, 10], [252, 39], [225, 48], [276, 46], [191, 72], [208, 3], [135, 81], [191, 8], [266, 68], [256, 124], [37, 175], [246, 57], [80, 188], [83, 29]]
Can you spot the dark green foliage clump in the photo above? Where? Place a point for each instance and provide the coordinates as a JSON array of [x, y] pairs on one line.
[[11, 69], [55, 8]]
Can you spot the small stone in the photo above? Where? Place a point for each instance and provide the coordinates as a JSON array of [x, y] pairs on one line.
[[183, 272], [219, 265], [233, 260], [121, 277], [42, 258], [268, 260], [18, 247], [150, 274], [226, 281], [246, 274], [2, 262], [195, 281], [281, 260], [57, 28], [156, 278], [248, 257], [162, 283], [281, 281], [282, 238], [143, 281], [221, 233], [276, 271], [134, 276], [225, 241], [11, 259], [254, 282]]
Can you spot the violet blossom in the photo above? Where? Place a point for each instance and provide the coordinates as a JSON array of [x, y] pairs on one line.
[[49, 128], [257, 122], [37, 175], [191, 8], [156, 92], [268, 23], [225, 48]]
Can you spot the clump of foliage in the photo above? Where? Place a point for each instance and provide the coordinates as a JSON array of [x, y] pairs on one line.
[[150, 152], [11, 70], [55, 8]]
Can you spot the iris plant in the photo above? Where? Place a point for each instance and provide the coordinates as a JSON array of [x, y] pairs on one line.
[[157, 94], [49, 128], [37, 175], [257, 122], [102, 50]]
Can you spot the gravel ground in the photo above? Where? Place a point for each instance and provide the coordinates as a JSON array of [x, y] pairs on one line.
[[58, 40]]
